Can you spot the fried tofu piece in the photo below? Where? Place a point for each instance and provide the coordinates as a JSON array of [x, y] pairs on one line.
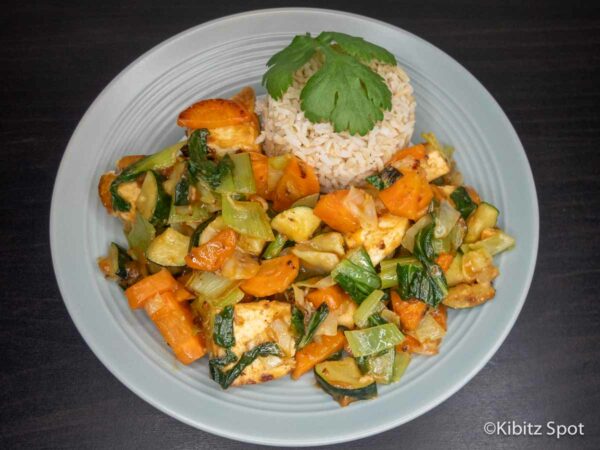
[[258, 322], [434, 165], [381, 242]]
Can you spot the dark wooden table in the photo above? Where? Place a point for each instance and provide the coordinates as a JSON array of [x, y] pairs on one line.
[[541, 61]]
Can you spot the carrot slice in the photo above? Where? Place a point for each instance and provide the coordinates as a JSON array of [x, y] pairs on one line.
[[408, 197], [298, 180], [128, 160], [416, 152], [444, 260], [213, 113], [316, 352], [410, 311], [149, 287], [211, 255], [181, 293], [274, 276], [331, 210], [175, 322], [260, 169], [334, 296]]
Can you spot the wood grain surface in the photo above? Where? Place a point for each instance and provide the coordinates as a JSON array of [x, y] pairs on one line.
[[540, 60]]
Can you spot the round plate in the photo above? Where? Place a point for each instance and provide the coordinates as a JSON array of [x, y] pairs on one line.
[[136, 113]]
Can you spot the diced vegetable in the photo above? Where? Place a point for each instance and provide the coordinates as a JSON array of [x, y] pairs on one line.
[[454, 274], [241, 177], [369, 341], [276, 166], [247, 218], [344, 381], [274, 276], [225, 379], [175, 322], [164, 158], [211, 255], [195, 237], [118, 258], [316, 352], [309, 201], [333, 296], [223, 328], [149, 287], [370, 305], [388, 176], [485, 216], [411, 311], [362, 206], [381, 367], [202, 168], [463, 201], [445, 217], [408, 241], [274, 248], [297, 322], [444, 260], [316, 319], [389, 275], [213, 113], [331, 242], [168, 249], [408, 197], [298, 181], [401, 363], [182, 189], [356, 275], [494, 244], [182, 294], [416, 152], [240, 266], [189, 213], [153, 203], [469, 295], [251, 245], [429, 329], [141, 234], [210, 286], [260, 170], [297, 223], [330, 208], [319, 262], [375, 320]]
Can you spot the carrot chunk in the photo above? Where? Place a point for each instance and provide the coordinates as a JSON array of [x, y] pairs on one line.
[[334, 296], [211, 255], [298, 180], [410, 311], [331, 209], [316, 352], [148, 287], [408, 197], [274, 276]]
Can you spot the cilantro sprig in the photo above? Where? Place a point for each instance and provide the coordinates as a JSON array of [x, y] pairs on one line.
[[344, 90]]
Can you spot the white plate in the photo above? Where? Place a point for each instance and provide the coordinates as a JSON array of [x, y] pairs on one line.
[[136, 113]]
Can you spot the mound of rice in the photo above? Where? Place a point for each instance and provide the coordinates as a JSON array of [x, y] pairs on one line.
[[340, 159]]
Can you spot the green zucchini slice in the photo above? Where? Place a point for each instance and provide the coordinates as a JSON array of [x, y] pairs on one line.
[[344, 381], [485, 216], [168, 249], [153, 203], [118, 258]]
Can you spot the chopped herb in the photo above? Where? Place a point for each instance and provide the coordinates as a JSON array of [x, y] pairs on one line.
[[344, 90]]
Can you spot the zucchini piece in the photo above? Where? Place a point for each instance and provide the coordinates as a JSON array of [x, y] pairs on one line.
[[169, 249], [332, 242], [381, 367], [153, 203], [454, 274], [187, 213], [445, 217], [485, 216], [297, 223], [370, 341], [118, 258], [494, 244], [344, 381], [401, 362]]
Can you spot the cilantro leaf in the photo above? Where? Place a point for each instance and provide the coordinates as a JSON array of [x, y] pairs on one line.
[[284, 63], [347, 93], [357, 47]]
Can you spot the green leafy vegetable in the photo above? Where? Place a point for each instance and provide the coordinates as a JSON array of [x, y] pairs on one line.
[[343, 91], [182, 189], [223, 328], [241, 178], [388, 176], [164, 158], [376, 319], [229, 358], [297, 322], [356, 275], [463, 201], [400, 364], [200, 167], [195, 238], [247, 218], [141, 234], [371, 305], [370, 341], [316, 319], [225, 379]]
